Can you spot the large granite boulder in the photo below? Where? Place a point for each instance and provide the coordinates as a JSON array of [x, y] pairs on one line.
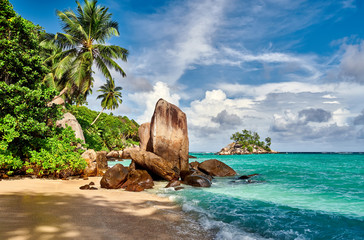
[[168, 134], [138, 180], [101, 162], [90, 157], [70, 120], [197, 181], [114, 177], [153, 163], [144, 135], [214, 167]]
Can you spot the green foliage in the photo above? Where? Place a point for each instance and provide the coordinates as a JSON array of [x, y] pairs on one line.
[[248, 139], [26, 130], [109, 132], [83, 47], [20, 61], [57, 157], [23, 117], [111, 97]]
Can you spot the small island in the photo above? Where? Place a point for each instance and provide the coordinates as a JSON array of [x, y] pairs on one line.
[[247, 142]]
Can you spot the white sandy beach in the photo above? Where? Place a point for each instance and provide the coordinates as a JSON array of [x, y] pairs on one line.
[[58, 209]]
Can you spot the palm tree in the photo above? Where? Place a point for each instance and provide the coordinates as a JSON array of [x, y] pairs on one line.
[[83, 45], [111, 97]]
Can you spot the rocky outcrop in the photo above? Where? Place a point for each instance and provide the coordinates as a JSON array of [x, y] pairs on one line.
[[70, 120], [144, 135], [217, 168], [114, 177], [237, 149], [138, 180], [168, 135], [153, 163]]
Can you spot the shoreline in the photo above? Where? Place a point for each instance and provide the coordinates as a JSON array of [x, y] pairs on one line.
[[58, 209]]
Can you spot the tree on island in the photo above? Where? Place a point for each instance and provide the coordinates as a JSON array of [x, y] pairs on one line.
[[248, 139], [111, 97], [83, 45]]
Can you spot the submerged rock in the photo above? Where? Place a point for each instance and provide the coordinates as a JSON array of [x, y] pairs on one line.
[[248, 176], [173, 183], [197, 181]]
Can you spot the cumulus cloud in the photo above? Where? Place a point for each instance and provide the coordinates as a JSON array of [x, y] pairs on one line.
[[227, 120], [290, 126], [352, 63], [359, 120], [289, 113], [315, 115], [147, 100]]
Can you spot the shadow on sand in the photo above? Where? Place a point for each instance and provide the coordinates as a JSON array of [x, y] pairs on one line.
[[61, 216]]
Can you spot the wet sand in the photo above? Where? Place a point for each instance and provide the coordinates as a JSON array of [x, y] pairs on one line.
[[57, 209]]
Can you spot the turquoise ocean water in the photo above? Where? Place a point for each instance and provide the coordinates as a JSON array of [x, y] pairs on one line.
[[296, 196]]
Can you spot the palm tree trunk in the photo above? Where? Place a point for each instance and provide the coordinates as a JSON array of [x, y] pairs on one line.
[[97, 117]]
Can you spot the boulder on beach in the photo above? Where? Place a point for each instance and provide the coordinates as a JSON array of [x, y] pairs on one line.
[[70, 120], [114, 177], [217, 168], [153, 163], [168, 135], [138, 180]]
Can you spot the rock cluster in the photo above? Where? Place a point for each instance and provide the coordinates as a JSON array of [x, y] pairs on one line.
[[163, 148], [163, 154], [237, 149], [96, 163]]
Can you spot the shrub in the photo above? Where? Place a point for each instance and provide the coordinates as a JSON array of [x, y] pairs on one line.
[[58, 157]]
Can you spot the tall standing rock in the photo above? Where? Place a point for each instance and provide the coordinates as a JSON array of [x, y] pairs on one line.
[[144, 135], [168, 134], [70, 120]]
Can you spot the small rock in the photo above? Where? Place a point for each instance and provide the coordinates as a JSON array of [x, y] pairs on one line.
[[93, 188], [91, 183], [85, 187], [173, 183], [178, 188], [248, 176]]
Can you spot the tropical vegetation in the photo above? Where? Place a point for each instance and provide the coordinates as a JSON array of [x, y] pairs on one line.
[[111, 97], [73, 53], [30, 142], [109, 132], [250, 140]]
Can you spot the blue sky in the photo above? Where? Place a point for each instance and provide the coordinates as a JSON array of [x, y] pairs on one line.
[[291, 70]]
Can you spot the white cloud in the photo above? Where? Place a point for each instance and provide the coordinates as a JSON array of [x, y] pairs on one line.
[[180, 36], [289, 112], [146, 100], [352, 63]]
